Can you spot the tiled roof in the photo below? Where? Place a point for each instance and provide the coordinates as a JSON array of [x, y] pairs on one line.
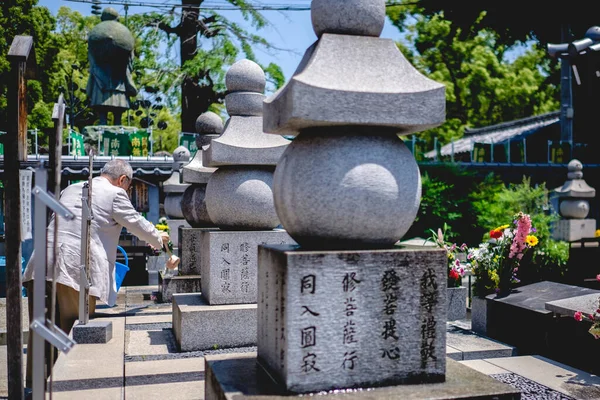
[[498, 133]]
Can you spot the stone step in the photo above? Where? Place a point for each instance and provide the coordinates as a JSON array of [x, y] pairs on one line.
[[540, 377], [463, 344]]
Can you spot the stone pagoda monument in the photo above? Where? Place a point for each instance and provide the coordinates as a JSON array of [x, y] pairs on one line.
[[193, 207], [346, 309], [239, 201], [574, 206], [174, 189]]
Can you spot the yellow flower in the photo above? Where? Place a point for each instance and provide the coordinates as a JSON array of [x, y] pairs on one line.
[[597, 234], [162, 227], [531, 240], [501, 228]]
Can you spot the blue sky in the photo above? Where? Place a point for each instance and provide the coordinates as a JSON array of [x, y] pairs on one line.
[[291, 30]]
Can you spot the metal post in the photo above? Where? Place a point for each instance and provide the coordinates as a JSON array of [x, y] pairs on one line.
[[42, 329], [548, 151], [435, 148], [39, 286], [492, 151], [151, 141], [36, 144], [508, 151], [19, 55], [452, 154], [86, 220], [472, 149], [524, 151]]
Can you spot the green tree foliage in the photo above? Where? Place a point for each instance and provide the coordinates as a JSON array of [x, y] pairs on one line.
[[24, 17], [512, 23], [483, 86], [208, 44], [444, 202], [493, 203]]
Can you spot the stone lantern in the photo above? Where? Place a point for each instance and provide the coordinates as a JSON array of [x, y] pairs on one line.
[[574, 206]]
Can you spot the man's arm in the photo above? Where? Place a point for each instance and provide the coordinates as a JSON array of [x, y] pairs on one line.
[[125, 214]]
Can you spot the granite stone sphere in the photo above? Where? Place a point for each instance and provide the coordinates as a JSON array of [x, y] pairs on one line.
[[348, 17], [181, 153], [241, 198], [172, 205], [209, 123], [193, 206], [343, 191], [574, 208], [245, 76]]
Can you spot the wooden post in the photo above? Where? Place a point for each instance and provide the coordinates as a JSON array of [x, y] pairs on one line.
[[15, 151]]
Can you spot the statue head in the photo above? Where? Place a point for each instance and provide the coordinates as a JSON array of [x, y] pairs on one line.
[[109, 14]]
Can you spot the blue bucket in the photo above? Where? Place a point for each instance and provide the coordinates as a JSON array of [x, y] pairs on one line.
[[121, 269]]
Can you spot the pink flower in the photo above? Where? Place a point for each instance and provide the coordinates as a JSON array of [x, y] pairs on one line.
[[519, 244], [598, 277], [578, 316]]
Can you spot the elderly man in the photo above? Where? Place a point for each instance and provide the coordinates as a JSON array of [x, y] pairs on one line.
[[112, 210]]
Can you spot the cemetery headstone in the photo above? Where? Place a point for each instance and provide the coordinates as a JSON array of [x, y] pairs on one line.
[[193, 207], [346, 308], [239, 202]]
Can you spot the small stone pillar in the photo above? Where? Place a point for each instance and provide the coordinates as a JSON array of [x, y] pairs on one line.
[[239, 201], [574, 206], [193, 206], [173, 189]]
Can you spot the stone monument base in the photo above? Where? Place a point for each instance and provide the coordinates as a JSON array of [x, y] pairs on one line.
[[188, 250], [92, 332], [174, 225], [169, 285], [238, 376], [352, 318], [229, 263], [571, 230], [200, 326]]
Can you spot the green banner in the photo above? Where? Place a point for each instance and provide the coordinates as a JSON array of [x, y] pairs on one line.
[[139, 143], [77, 146], [189, 141], [115, 144]]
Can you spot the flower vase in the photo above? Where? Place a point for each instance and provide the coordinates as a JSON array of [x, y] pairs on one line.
[[457, 303], [479, 315], [504, 285]]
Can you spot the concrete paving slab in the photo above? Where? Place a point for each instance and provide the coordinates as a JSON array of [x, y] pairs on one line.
[[557, 376], [453, 353], [4, 370], [484, 366], [149, 319], [180, 379], [92, 371], [475, 347], [152, 342]]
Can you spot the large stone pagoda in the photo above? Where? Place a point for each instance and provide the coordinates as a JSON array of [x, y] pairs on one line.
[[193, 207], [346, 309], [239, 201]]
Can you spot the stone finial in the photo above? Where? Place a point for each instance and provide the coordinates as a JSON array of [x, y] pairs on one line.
[[208, 126], [245, 76], [174, 185], [109, 14], [348, 17], [575, 186], [181, 154], [243, 141]]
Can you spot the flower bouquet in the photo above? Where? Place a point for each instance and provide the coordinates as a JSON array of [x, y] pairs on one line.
[[495, 263], [173, 260], [593, 318], [456, 270]]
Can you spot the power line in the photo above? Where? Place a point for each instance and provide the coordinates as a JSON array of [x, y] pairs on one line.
[[215, 5]]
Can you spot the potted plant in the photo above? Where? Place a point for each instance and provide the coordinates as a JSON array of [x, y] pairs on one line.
[[456, 296], [495, 264]]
